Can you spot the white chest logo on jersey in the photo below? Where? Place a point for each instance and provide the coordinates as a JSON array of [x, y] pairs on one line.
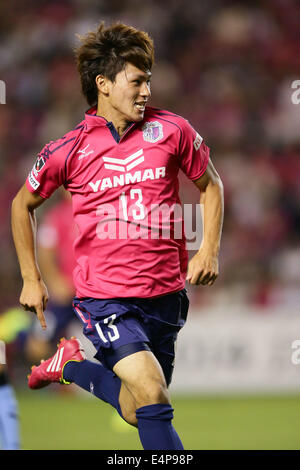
[[83, 153], [152, 131], [126, 164]]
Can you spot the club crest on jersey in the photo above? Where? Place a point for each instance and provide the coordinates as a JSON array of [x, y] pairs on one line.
[[152, 131], [40, 162]]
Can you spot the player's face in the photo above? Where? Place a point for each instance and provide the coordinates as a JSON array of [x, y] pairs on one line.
[[129, 93]]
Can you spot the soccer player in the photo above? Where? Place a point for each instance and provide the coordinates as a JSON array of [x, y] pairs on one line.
[[120, 165]]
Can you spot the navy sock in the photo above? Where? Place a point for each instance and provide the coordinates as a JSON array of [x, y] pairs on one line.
[[96, 379], [155, 428]]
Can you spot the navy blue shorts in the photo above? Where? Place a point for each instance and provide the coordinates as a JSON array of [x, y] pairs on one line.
[[120, 327]]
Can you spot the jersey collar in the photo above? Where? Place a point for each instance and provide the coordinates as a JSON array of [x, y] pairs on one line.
[[93, 120]]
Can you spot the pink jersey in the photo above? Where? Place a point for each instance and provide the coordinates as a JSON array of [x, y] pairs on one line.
[[129, 244], [57, 231]]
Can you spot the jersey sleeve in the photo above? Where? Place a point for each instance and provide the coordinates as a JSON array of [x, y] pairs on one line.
[[48, 172], [193, 153]]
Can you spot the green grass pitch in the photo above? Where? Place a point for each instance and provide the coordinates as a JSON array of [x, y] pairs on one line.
[[50, 420]]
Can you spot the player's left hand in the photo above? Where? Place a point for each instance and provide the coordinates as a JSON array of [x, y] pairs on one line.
[[203, 268], [34, 297]]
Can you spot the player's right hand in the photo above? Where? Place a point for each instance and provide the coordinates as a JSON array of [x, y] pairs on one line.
[[34, 298]]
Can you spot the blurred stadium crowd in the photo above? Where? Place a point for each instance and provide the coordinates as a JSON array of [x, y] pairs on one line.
[[227, 67]]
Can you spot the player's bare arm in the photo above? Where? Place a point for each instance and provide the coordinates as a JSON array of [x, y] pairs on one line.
[[34, 295], [204, 266]]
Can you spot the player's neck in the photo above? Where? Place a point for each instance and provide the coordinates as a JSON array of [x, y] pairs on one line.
[[111, 115]]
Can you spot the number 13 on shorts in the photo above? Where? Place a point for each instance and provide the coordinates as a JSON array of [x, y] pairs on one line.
[[113, 335]]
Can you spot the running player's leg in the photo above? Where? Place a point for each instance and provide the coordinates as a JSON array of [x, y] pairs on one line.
[[121, 341], [167, 316], [103, 384], [113, 341], [112, 388], [139, 376], [143, 377], [141, 396]]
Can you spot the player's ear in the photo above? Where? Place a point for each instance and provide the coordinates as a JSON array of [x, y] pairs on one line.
[[102, 84]]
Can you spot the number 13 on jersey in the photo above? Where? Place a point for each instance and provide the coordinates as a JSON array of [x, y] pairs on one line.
[[137, 209]]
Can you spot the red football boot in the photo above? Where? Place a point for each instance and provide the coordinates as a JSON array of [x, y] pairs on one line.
[[51, 370]]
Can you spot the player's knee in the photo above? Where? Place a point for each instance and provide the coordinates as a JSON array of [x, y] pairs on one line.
[[151, 393]]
